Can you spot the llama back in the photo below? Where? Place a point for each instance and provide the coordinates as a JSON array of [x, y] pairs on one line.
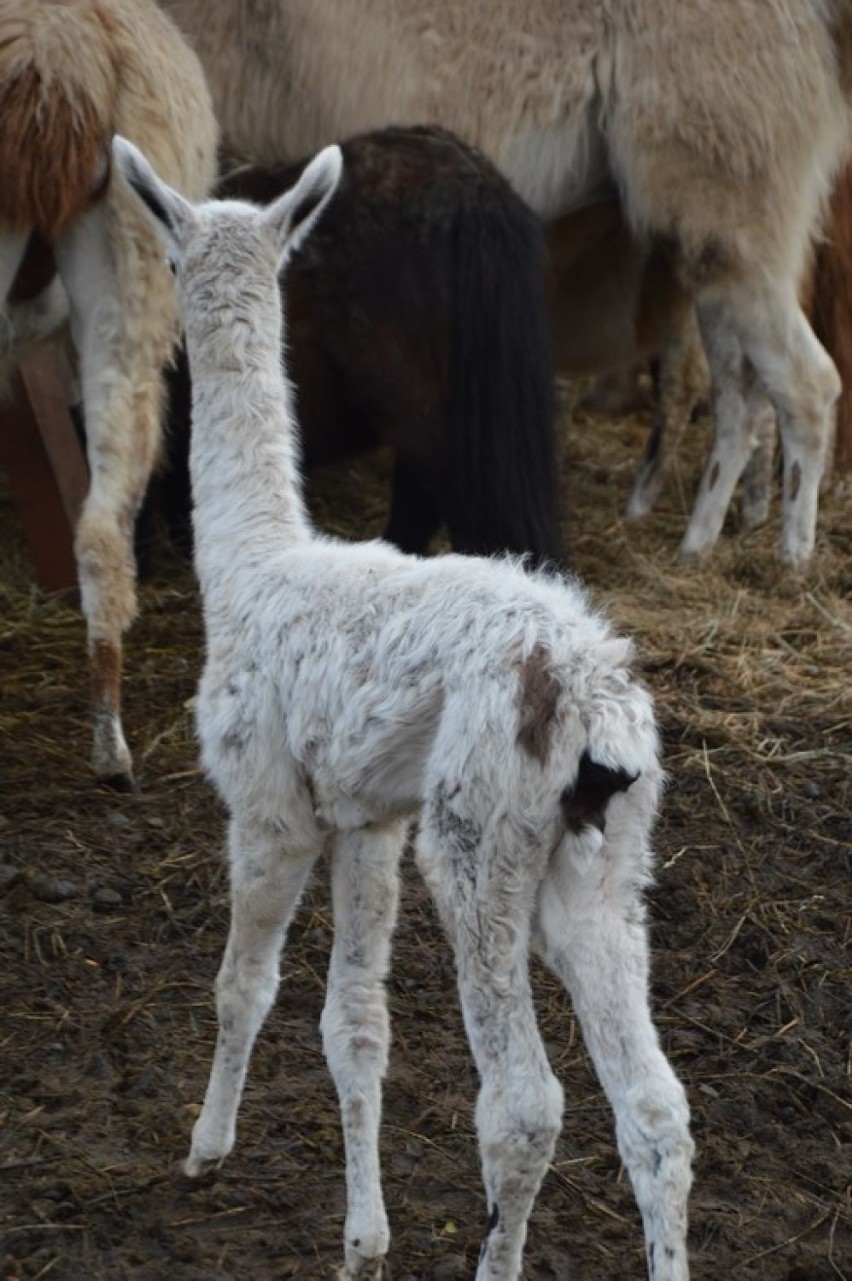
[[372, 670]]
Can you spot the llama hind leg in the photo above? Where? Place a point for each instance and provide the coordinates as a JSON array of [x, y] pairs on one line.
[[486, 908], [590, 931], [355, 1028], [120, 357], [769, 330], [757, 477], [731, 441], [681, 383], [803, 384], [266, 884]]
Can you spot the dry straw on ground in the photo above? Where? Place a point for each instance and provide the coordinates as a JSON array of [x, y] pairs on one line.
[[113, 914]]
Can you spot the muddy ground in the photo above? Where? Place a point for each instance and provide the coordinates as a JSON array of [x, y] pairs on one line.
[[113, 917]]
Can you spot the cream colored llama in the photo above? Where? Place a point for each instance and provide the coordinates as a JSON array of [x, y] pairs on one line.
[[722, 124], [349, 687], [73, 73]]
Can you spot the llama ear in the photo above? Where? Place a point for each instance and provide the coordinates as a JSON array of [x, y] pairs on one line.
[[293, 215], [171, 214]]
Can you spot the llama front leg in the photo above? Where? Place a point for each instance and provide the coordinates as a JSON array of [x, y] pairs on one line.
[[486, 909], [266, 883], [590, 931], [355, 1027], [122, 336]]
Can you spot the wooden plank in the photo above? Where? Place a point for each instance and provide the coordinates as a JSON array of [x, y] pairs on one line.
[[45, 462]]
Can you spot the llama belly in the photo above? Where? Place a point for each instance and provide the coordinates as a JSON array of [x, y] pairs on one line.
[[371, 767], [556, 168], [385, 786]]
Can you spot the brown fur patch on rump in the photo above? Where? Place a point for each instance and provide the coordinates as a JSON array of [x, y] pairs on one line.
[[51, 148], [538, 695]]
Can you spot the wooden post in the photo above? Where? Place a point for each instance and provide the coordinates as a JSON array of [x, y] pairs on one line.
[[46, 464]]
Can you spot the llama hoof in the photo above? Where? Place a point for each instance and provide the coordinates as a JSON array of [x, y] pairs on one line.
[[118, 782], [639, 505], [196, 1167], [370, 1270], [179, 1175], [365, 1251], [795, 559], [689, 555]]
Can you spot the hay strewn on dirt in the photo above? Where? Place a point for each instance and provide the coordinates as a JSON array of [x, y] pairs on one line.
[[113, 916]]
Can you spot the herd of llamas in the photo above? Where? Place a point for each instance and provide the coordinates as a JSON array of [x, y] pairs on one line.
[[624, 190]]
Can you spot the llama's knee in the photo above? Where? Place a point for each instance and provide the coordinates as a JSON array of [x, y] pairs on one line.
[[654, 1140], [356, 1036], [245, 988], [518, 1122]]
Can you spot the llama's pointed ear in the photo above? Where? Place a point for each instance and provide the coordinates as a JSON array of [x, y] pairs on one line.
[[293, 215], [171, 214]]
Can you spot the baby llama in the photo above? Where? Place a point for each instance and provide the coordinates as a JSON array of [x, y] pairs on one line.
[[349, 688]]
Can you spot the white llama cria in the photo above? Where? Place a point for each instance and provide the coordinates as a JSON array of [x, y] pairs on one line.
[[348, 688]]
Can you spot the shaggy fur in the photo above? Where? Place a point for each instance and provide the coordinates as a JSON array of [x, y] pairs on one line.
[[722, 125], [417, 321], [348, 687], [72, 73]]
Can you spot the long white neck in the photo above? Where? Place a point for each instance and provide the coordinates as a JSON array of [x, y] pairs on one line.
[[244, 456]]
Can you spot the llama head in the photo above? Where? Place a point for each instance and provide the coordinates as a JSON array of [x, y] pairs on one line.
[[191, 231]]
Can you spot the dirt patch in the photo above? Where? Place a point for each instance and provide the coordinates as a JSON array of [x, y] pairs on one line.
[[113, 917]]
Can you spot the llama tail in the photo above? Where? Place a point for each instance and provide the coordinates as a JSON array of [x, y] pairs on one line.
[[501, 445], [57, 83]]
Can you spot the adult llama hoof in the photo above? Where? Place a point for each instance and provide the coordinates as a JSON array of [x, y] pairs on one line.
[[371, 1270], [120, 781], [111, 759]]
